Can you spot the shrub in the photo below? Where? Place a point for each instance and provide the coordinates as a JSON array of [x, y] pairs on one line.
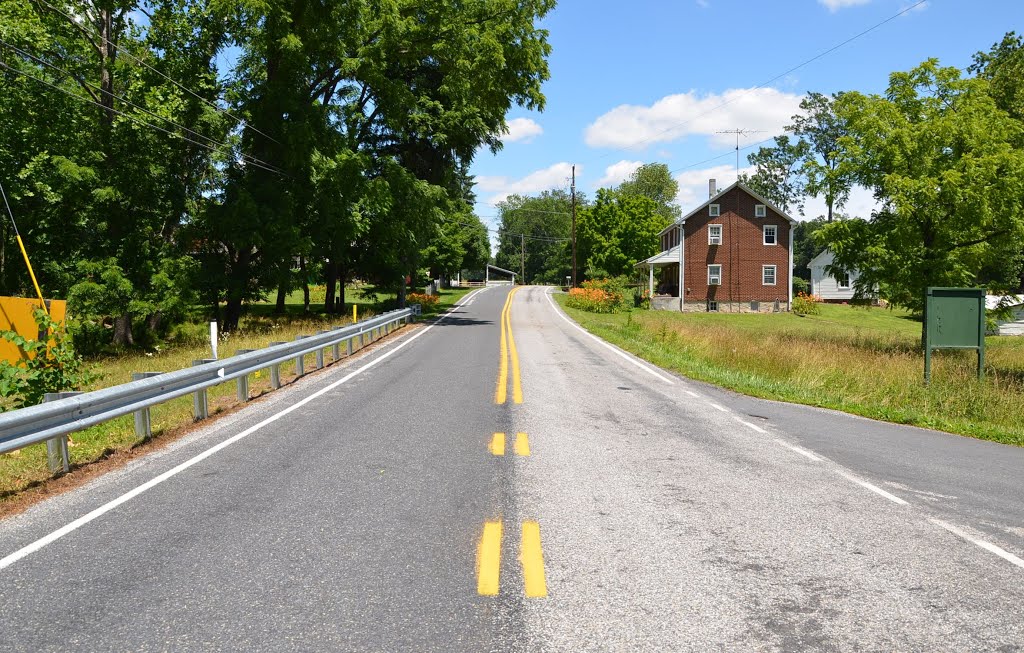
[[599, 296], [46, 365], [801, 286], [423, 300], [804, 304]]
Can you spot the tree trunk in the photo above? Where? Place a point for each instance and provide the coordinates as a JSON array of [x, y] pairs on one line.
[[401, 293], [123, 331], [342, 274], [305, 284], [232, 314], [330, 279], [153, 321], [282, 293]]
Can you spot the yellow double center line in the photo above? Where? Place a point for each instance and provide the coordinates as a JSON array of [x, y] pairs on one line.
[[508, 353]]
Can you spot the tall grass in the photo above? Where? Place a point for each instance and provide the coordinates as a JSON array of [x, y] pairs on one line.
[[865, 361]]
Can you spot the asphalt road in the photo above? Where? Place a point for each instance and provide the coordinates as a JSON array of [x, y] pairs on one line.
[[372, 507]]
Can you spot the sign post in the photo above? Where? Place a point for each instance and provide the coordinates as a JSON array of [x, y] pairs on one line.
[[954, 318]]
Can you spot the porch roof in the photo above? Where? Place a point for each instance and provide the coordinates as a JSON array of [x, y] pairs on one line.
[[660, 260]]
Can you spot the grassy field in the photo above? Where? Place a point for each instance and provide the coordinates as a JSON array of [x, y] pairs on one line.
[[27, 467], [865, 361]]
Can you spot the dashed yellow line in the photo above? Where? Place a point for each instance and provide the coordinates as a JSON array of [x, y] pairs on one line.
[[522, 445], [508, 351], [532, 557], [488, 560], [497, 444]]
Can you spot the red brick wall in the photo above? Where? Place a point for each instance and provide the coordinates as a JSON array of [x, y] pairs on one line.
[[741, 254]]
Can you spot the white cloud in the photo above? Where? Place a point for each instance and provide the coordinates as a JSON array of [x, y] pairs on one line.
[[500, 187], [836, 5], [766, 110], [703, 4], [860, 205], [522, 129], [617, 173], [693, 184]]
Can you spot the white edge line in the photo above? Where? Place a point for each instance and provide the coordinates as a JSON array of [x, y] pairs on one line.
[[717, 407], [988, 546], [799, 450], [131, 494], [874, 488], [691, 393], [751, 426], [613, 348]]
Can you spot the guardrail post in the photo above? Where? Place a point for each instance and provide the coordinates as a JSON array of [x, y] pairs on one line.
[[275, 370], [336, 348], [143, 421], [57, 458], [300, 363], [320, 354], [200, 407], [242, 382], [348, 346]]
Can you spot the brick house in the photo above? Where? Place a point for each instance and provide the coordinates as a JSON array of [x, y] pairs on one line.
[[737, 256]]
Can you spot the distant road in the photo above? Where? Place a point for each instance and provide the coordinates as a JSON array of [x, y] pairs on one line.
[[504, 481]]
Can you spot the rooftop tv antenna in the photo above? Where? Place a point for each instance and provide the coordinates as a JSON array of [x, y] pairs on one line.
[[738, 133]]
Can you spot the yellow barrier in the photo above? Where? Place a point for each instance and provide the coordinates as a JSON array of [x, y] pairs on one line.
[[16, 315]]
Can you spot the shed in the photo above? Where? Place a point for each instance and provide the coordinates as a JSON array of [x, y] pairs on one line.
[[826, 286], [1013, 326]]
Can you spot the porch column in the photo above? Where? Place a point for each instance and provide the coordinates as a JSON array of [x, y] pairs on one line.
[[650, 282]]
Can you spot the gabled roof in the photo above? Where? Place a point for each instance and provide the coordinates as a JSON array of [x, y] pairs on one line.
[[719, 194], [823, 255], [668, 257]]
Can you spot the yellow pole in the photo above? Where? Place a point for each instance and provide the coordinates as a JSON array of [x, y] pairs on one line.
[[42, 302], [355, 314]]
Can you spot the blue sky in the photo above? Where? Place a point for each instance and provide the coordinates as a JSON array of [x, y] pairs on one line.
[[643, 81]]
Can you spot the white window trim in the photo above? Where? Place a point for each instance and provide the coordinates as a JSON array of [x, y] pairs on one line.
[[764, 234], [719, 275], [760, 211], [714, 210], [775, 275], [712, 239], [839, 283]]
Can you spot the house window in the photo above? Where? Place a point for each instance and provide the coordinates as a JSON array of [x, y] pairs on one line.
[[714, 210], [768, 275], [712, 307], [760, 211], [714, 234], [714, 275], [755, 306], [771, 234], [844, 281]]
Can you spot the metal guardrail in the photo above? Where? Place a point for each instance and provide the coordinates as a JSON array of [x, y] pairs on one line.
[[52, 421]]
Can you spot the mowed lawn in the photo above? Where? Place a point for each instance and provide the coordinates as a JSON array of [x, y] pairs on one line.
[[27, 467], [866, 361]]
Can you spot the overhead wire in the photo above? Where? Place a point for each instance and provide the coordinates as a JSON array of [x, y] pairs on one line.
[[247, 157], [123, 50], [764, 84], [128, 116]]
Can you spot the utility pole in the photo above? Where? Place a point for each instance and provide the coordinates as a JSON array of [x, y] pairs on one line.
[[522, 258], [738, 132], [574, 226]]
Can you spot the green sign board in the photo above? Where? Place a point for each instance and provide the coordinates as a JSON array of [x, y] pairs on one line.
[[954, 319]]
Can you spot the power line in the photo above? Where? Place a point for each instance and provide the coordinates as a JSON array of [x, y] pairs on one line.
[[248, 157], [767, 82], [129, 117], [123, 50]]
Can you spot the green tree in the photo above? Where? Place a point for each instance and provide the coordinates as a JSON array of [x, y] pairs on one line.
[[1003, 68], [541, 227], [617, 231], [940, 156], [820, 128], [654, 181], [778, 174]]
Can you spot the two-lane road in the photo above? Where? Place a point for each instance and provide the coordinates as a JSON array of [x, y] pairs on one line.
[[503, 481]]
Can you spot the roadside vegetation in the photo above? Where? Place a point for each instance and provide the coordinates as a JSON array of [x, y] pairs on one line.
[[27, 467], [860, 360]]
